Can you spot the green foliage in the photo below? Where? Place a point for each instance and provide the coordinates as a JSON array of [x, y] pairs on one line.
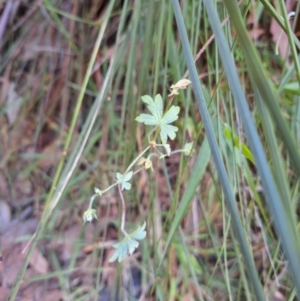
[[238, 144], [292, 88], [128, 244], [162, 122], [123, 180], [158, 118]]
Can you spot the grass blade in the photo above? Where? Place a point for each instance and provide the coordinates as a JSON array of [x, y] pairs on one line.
[[231, 205], [282, 219], [197, 173]]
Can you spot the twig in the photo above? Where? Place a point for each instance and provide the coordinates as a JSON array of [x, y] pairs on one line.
[[208, 42]]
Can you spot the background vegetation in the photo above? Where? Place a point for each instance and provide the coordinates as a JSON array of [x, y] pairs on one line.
[[221, 224]]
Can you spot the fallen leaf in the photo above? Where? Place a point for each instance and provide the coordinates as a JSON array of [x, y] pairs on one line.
[[39, 262], [5, 216], [13, 103], [4, 292]]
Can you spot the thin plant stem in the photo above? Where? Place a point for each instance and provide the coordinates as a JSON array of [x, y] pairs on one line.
[[136, 159], [123, 211], [92, 201]]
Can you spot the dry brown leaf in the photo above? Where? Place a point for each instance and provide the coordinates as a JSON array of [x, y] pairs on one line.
[[4, 193], [180, 85], [5, 216], [33, 291], [51, 154], [39, 262], [13, 103], [53, 295], [13, 255], [4, 292], [255, 33], [17, 230], [12, 263], [66, 243]]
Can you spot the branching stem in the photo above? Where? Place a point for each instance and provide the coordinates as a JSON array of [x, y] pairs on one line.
[[136, 159]]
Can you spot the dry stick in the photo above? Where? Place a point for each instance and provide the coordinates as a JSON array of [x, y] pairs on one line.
[[205, 46], [7, 13], [28, 15], [208, 42]]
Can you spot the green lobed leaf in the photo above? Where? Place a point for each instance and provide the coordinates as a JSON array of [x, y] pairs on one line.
[[128, 244], [139, 233], [158, 118], [156, 106], [123, 180], [146, 119], [168, 131], [171, 115]]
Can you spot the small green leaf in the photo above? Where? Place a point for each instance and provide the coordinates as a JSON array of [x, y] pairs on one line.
[[139, 233], [128, 244], [292, 88], [167, 130], [244, 148], [188, 148], [123, 180], [168, 149], [158, 118]]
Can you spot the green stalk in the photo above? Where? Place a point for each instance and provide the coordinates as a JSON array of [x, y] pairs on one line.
[[230, 200]]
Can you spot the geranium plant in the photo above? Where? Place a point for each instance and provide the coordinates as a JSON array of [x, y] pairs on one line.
[[161, 119]]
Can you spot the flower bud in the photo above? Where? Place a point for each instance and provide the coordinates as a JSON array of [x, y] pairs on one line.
[[89, 215]]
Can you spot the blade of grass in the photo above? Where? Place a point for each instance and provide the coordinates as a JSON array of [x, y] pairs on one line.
[[197, 173], [269, 7], [278, 168], [231, 204], [282, 220], [260, 79], [290, 38], [60, 24]]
